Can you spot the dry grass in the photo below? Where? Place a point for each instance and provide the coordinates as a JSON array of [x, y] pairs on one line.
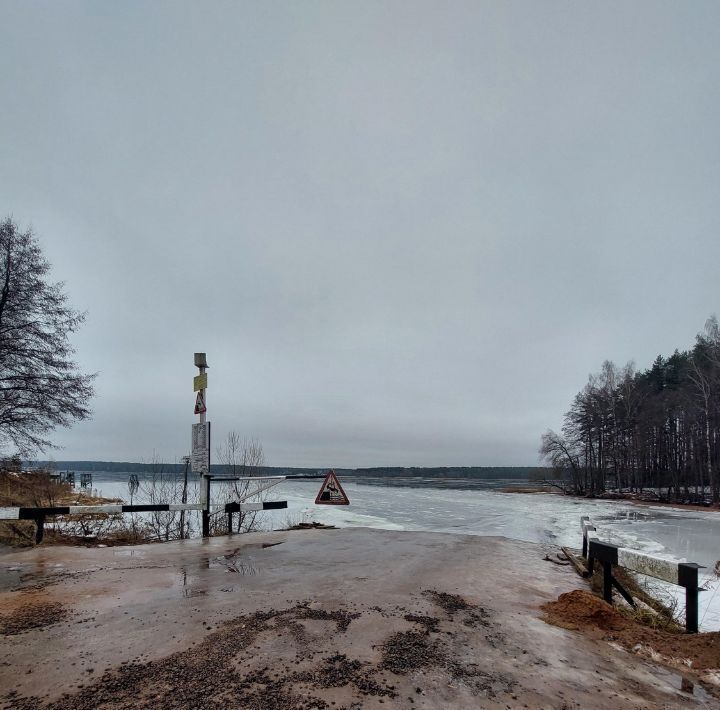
[[37, 489], [537, 488], [17, 533], [29, 490]]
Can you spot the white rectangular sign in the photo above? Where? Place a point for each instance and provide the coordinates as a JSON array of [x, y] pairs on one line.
[[200, 457]]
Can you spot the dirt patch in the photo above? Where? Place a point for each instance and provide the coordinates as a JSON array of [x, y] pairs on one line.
[[407, 651], [414, 650], [222, 670], [480, 681], [582, 611], [429, 623], [452, 603], [32, 615], [410, 651], [211, 674], [341, 617], [448, 602], [17, 533], [338, 670]]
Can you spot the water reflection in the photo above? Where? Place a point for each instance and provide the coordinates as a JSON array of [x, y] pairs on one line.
[[129, 553], [235, 564]]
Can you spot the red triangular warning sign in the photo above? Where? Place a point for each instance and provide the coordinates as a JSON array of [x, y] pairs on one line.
[[200, 407], [331, 492]]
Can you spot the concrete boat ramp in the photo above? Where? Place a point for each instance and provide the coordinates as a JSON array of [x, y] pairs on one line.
[[350, 618]]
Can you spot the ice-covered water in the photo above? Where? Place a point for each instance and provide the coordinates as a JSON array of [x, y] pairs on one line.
[[483, 509]]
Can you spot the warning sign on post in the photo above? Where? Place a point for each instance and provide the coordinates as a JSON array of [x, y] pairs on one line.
[[200, 458], [200, 382], [200, 407], [331, 492]]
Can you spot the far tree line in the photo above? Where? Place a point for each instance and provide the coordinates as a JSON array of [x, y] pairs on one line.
[[659, 428]]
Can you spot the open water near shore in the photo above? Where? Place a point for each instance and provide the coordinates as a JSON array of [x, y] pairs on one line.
[[481, 508]]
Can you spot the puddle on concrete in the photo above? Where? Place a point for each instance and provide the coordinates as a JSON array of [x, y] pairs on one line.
[[193, 584], [190, 592], [194, 581], [129, 553], [10, 577], [252, 546], [234, 564], [238, 561], [188, 585]]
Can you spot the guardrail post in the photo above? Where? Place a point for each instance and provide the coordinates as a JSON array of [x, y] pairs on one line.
[[590, 565], [585, 527], [607, 554], [688, 578], [206, 509], [584, 536], [607, 582]]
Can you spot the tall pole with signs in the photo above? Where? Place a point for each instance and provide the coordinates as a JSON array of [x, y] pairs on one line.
[[201, 439]]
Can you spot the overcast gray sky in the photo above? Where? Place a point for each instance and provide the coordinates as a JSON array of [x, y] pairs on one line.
[[404, 232]]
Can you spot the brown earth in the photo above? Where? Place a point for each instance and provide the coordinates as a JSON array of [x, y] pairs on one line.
[[31, 614], [581, 610]]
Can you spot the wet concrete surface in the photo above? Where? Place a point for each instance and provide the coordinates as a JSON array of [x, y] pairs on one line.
[[348, 618]]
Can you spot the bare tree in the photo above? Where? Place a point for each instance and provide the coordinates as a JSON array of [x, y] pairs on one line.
[[556, 451], [243, 458], [41, 387], [162, 486]]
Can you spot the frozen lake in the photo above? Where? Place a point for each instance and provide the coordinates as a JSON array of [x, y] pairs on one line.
[[480, 508]]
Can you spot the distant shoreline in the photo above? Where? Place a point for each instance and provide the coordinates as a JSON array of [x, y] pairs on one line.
[[470, 472]]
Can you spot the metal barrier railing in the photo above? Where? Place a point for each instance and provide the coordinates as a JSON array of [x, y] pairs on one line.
[[678, 572], [38, 515]]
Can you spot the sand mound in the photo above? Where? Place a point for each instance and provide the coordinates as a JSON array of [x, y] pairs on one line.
[[579, 609], [583, 611]]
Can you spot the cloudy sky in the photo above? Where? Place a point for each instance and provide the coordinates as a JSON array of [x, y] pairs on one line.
[[404, 232]]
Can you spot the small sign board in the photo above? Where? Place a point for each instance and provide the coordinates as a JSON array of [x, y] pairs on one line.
[[331, 492], [9, 513], [200, 456], [200, 382], [200, 407]]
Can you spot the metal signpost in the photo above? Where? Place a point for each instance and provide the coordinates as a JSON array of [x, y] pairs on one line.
[[201, 439]]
